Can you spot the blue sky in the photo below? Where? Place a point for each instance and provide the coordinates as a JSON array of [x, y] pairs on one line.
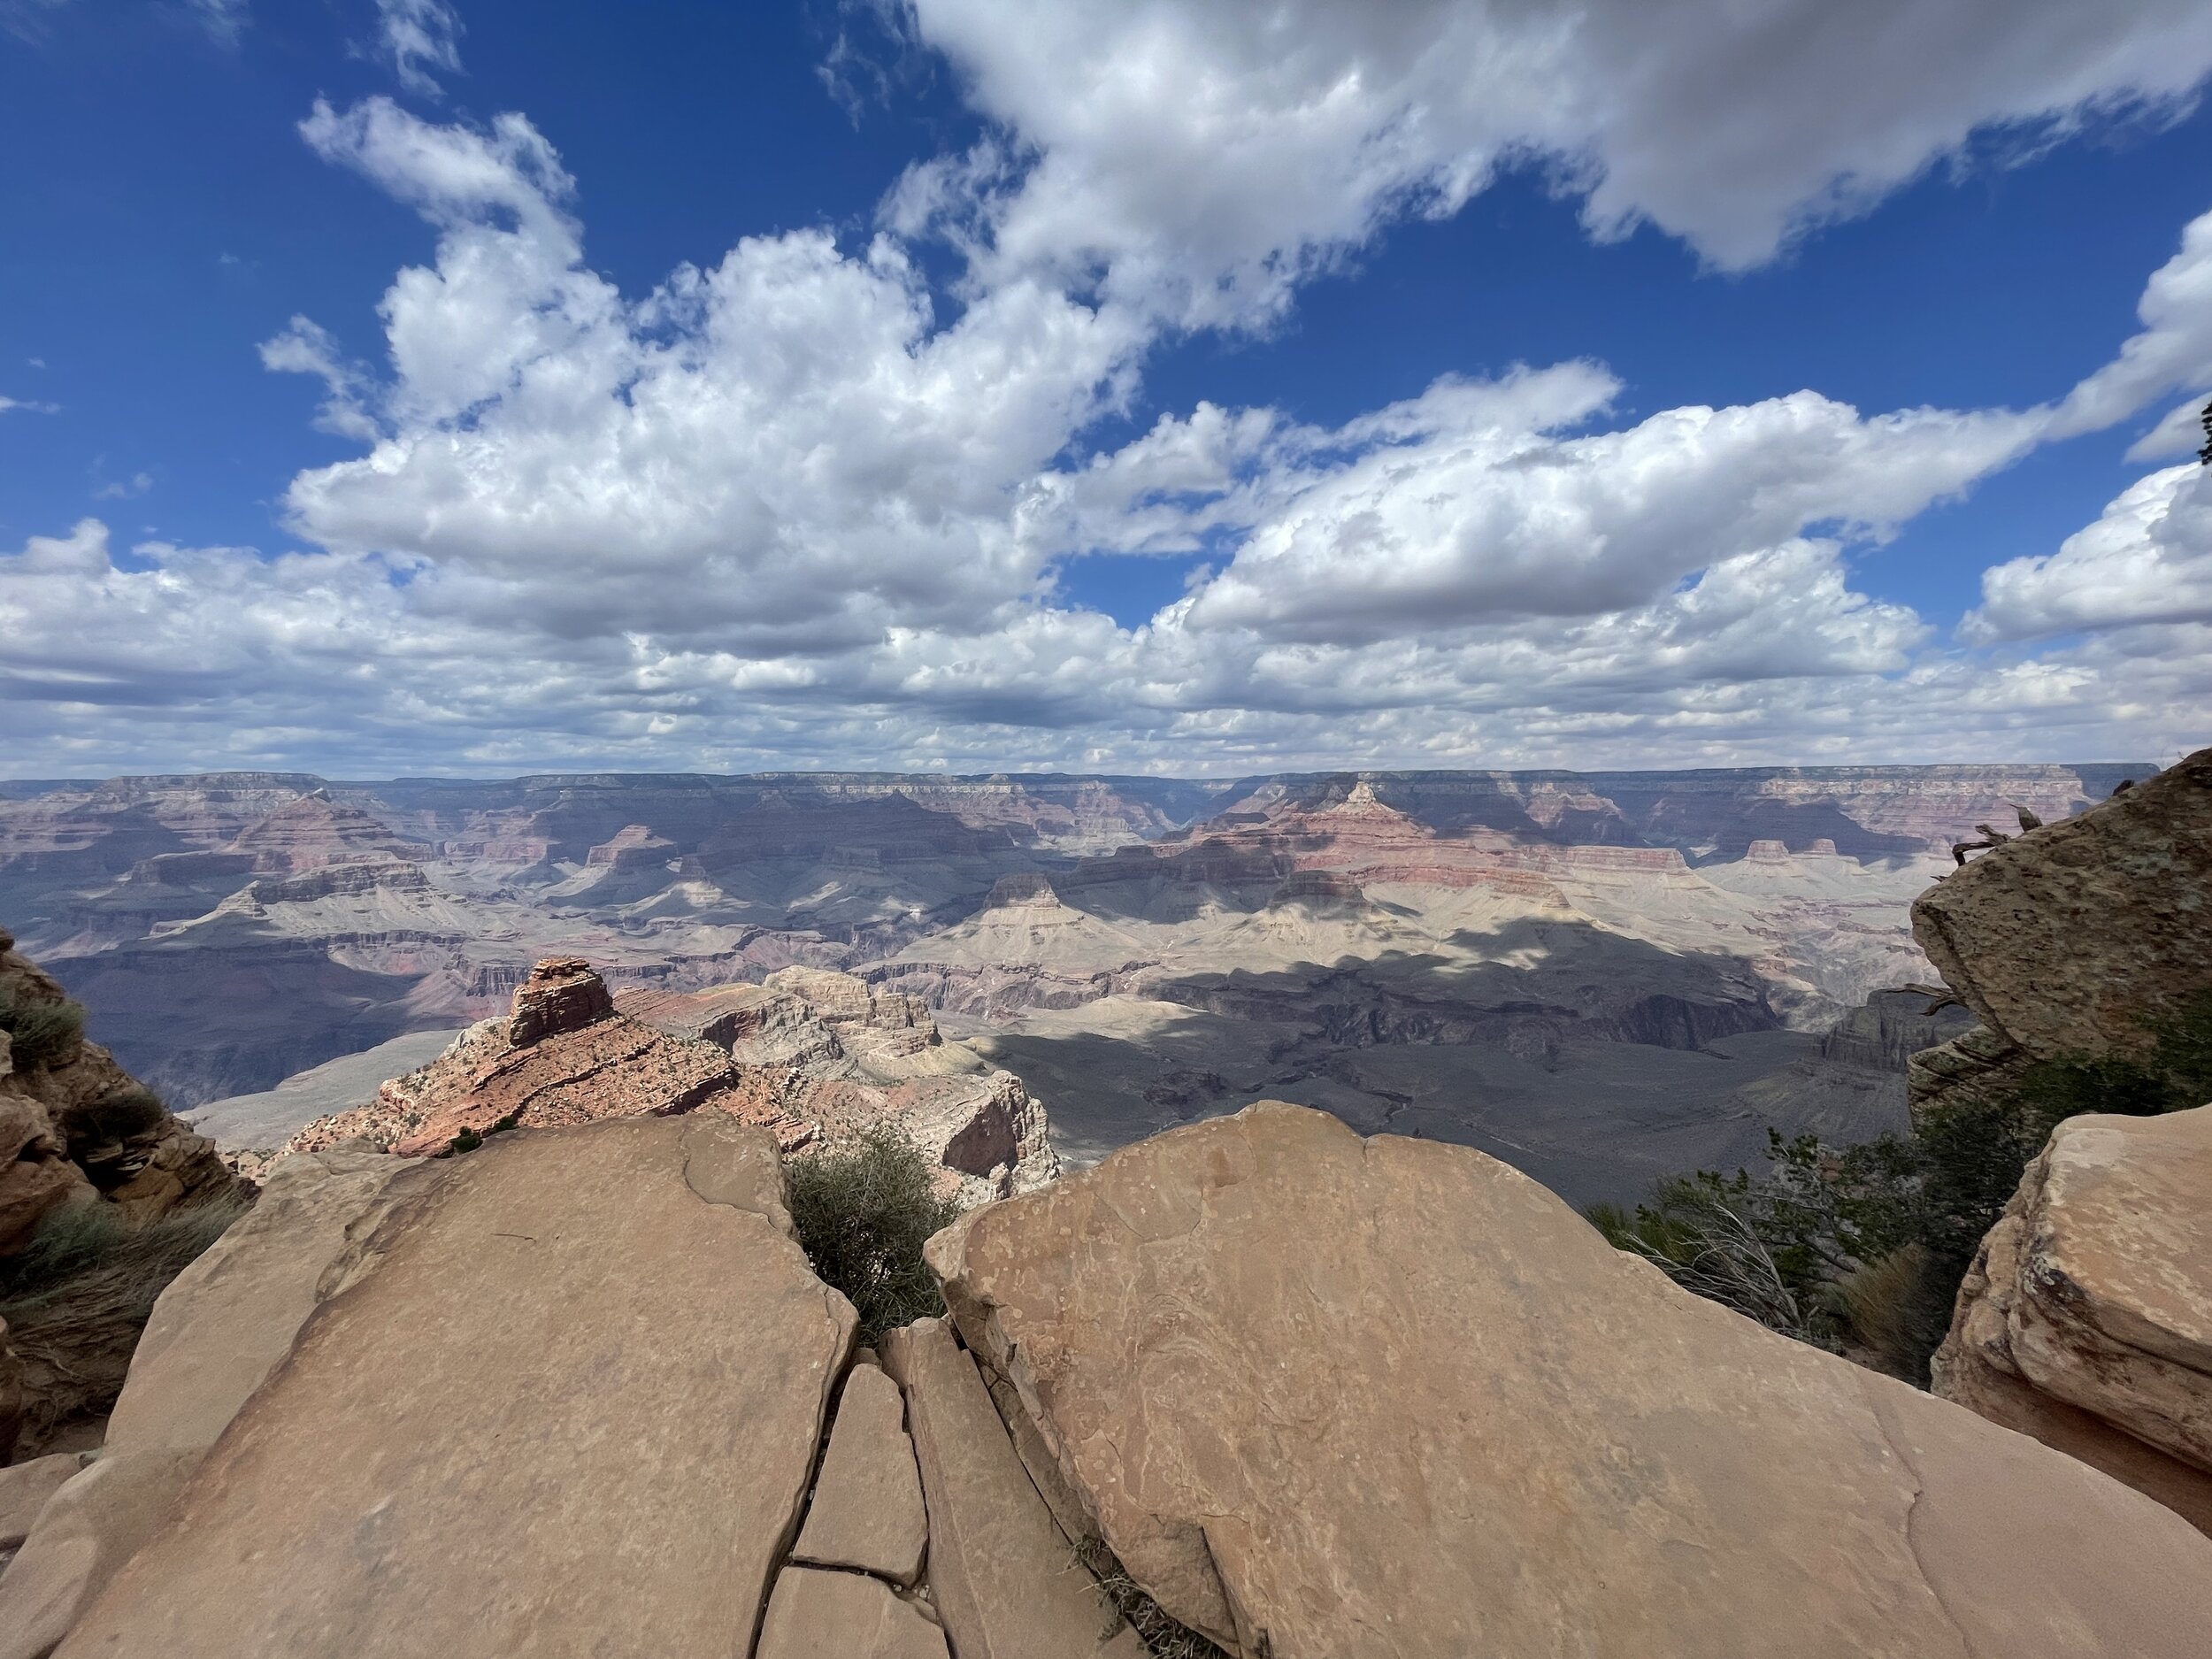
[[1213, 388]]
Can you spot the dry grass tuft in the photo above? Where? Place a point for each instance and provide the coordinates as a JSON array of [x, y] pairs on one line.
[[1163, 1637]]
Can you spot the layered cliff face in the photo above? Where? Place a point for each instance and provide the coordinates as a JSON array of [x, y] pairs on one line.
[[1614, 965]]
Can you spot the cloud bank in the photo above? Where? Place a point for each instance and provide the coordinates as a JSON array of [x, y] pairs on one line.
[[802, 508]]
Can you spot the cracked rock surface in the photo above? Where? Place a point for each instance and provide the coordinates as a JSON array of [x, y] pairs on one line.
[[550, 1416], [1335, 1399]]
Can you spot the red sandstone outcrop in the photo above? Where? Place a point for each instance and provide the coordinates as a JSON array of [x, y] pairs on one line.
[[563, 1055], [815, 1058]]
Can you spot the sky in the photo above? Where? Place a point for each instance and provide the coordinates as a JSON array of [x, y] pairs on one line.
[[1195, 387]]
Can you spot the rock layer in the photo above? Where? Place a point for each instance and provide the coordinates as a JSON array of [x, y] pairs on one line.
[[1328, 1397], [866, 1513], [1004, 1579]]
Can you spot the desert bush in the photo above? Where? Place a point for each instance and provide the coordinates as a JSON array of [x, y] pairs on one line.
[[863, 1212], [76, 1298], [1867, 1245], [118, 1115], [41, 1033]]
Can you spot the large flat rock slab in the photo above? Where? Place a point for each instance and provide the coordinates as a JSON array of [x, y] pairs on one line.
[[867, 1512], [816, 1615], [1005, 1581], [1330, 1399], [570, 1409], [2092, 1297]]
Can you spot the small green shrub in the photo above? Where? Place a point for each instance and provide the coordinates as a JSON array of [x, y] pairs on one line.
[[863, 1212], [41, 1033]]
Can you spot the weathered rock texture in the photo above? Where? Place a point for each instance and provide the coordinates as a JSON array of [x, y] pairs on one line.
[[561, 1056], [2070, 939], [218, 1329], [73, 1125], [866, 1512], [1328, 1397], [1004, 1579], [824, 1056], [548, 1416], [814, 1057], [2087, 1320], [816, 1614]]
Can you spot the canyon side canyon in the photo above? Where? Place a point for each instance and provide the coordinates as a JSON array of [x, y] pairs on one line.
[[1598, 977]]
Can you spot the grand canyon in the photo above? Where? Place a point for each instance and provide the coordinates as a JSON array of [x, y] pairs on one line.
[[1600, 978]]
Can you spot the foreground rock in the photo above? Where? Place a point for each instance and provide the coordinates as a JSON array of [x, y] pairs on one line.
[[73, 1125], [548, 1416], [816, 1614], [218, 1330], [1328, 1397], [867, 1512], [2087, 1318], [1003, 1576], [2068, 940]]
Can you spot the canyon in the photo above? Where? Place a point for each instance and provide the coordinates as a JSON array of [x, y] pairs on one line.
[[1598, 978]]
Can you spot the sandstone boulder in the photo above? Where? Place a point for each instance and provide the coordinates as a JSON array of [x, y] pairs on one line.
[[867, 1513], [23, 1489], [2087, 1318], [546, 1416], [2069, 938], [1331, 1397]]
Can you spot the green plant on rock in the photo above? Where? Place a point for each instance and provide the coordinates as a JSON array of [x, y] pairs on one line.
[[41, 1033], [863, 1212]]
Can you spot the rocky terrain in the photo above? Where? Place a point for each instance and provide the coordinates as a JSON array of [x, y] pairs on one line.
[[1258, 1385], [1599, 977], [1308, 1396], [815, 1058], [2086, 1319], [78, 1135]]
